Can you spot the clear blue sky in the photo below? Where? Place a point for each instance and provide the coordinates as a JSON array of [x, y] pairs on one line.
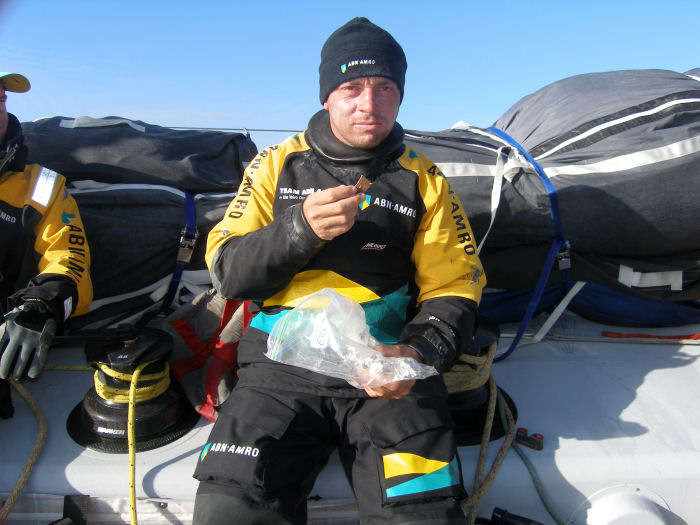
[[231, 64]]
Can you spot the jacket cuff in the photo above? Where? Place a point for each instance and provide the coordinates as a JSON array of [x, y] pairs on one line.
[[426, 350], [58, 292], [302, 228]]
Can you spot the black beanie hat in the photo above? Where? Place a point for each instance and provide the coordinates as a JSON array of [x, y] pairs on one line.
[[360, 49]]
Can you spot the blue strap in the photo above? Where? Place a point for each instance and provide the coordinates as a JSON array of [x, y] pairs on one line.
[[551, 190], [188, 237], [535, 300], [558, 251]]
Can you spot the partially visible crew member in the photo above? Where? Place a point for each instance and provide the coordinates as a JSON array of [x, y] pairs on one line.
[[44, 254]]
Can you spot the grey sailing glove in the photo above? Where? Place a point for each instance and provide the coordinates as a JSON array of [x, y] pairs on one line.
[[25, 338]]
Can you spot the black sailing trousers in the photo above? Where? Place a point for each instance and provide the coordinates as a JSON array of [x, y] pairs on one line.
[[267, 447]]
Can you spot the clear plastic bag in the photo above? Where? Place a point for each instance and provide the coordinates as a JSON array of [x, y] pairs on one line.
[[327, 333]]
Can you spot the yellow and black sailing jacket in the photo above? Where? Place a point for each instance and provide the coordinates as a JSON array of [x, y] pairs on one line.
[[44, 253], [410, 258]]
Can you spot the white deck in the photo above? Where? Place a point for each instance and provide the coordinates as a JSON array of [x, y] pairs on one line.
[[620, 426]]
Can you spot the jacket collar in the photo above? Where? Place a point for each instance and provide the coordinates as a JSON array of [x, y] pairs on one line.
[[322, 140], [13, 152]]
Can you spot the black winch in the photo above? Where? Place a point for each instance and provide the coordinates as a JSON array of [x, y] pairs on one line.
[[161, 413]]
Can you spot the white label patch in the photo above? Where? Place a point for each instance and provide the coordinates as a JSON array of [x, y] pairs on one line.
[[67, 308], [44, 186]]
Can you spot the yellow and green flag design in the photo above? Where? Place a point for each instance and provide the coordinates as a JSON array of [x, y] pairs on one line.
[[434, 474]]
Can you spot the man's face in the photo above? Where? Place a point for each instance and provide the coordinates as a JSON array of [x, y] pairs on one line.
[[3, 112], [363, 111]]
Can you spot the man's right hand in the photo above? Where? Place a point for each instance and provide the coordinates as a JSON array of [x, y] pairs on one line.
[[25, 338], [332, 212]]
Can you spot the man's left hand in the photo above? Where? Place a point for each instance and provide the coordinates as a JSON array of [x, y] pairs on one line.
[[397, 389]]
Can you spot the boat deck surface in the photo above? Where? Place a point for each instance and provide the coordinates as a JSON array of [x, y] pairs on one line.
[[618, 417]]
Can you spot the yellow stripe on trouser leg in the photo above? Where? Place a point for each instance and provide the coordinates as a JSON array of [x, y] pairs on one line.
[[402, 463]]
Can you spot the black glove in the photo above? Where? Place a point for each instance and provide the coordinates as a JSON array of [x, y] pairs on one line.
[[25, 337]]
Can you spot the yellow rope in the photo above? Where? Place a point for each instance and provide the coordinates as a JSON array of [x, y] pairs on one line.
[[134, 395], [470, 372], [123, 395], [124, 376], [70, 368], [33, 455], [131, 438], [481, 486]]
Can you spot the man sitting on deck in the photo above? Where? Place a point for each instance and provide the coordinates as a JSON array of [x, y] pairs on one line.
[[345, 205]]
